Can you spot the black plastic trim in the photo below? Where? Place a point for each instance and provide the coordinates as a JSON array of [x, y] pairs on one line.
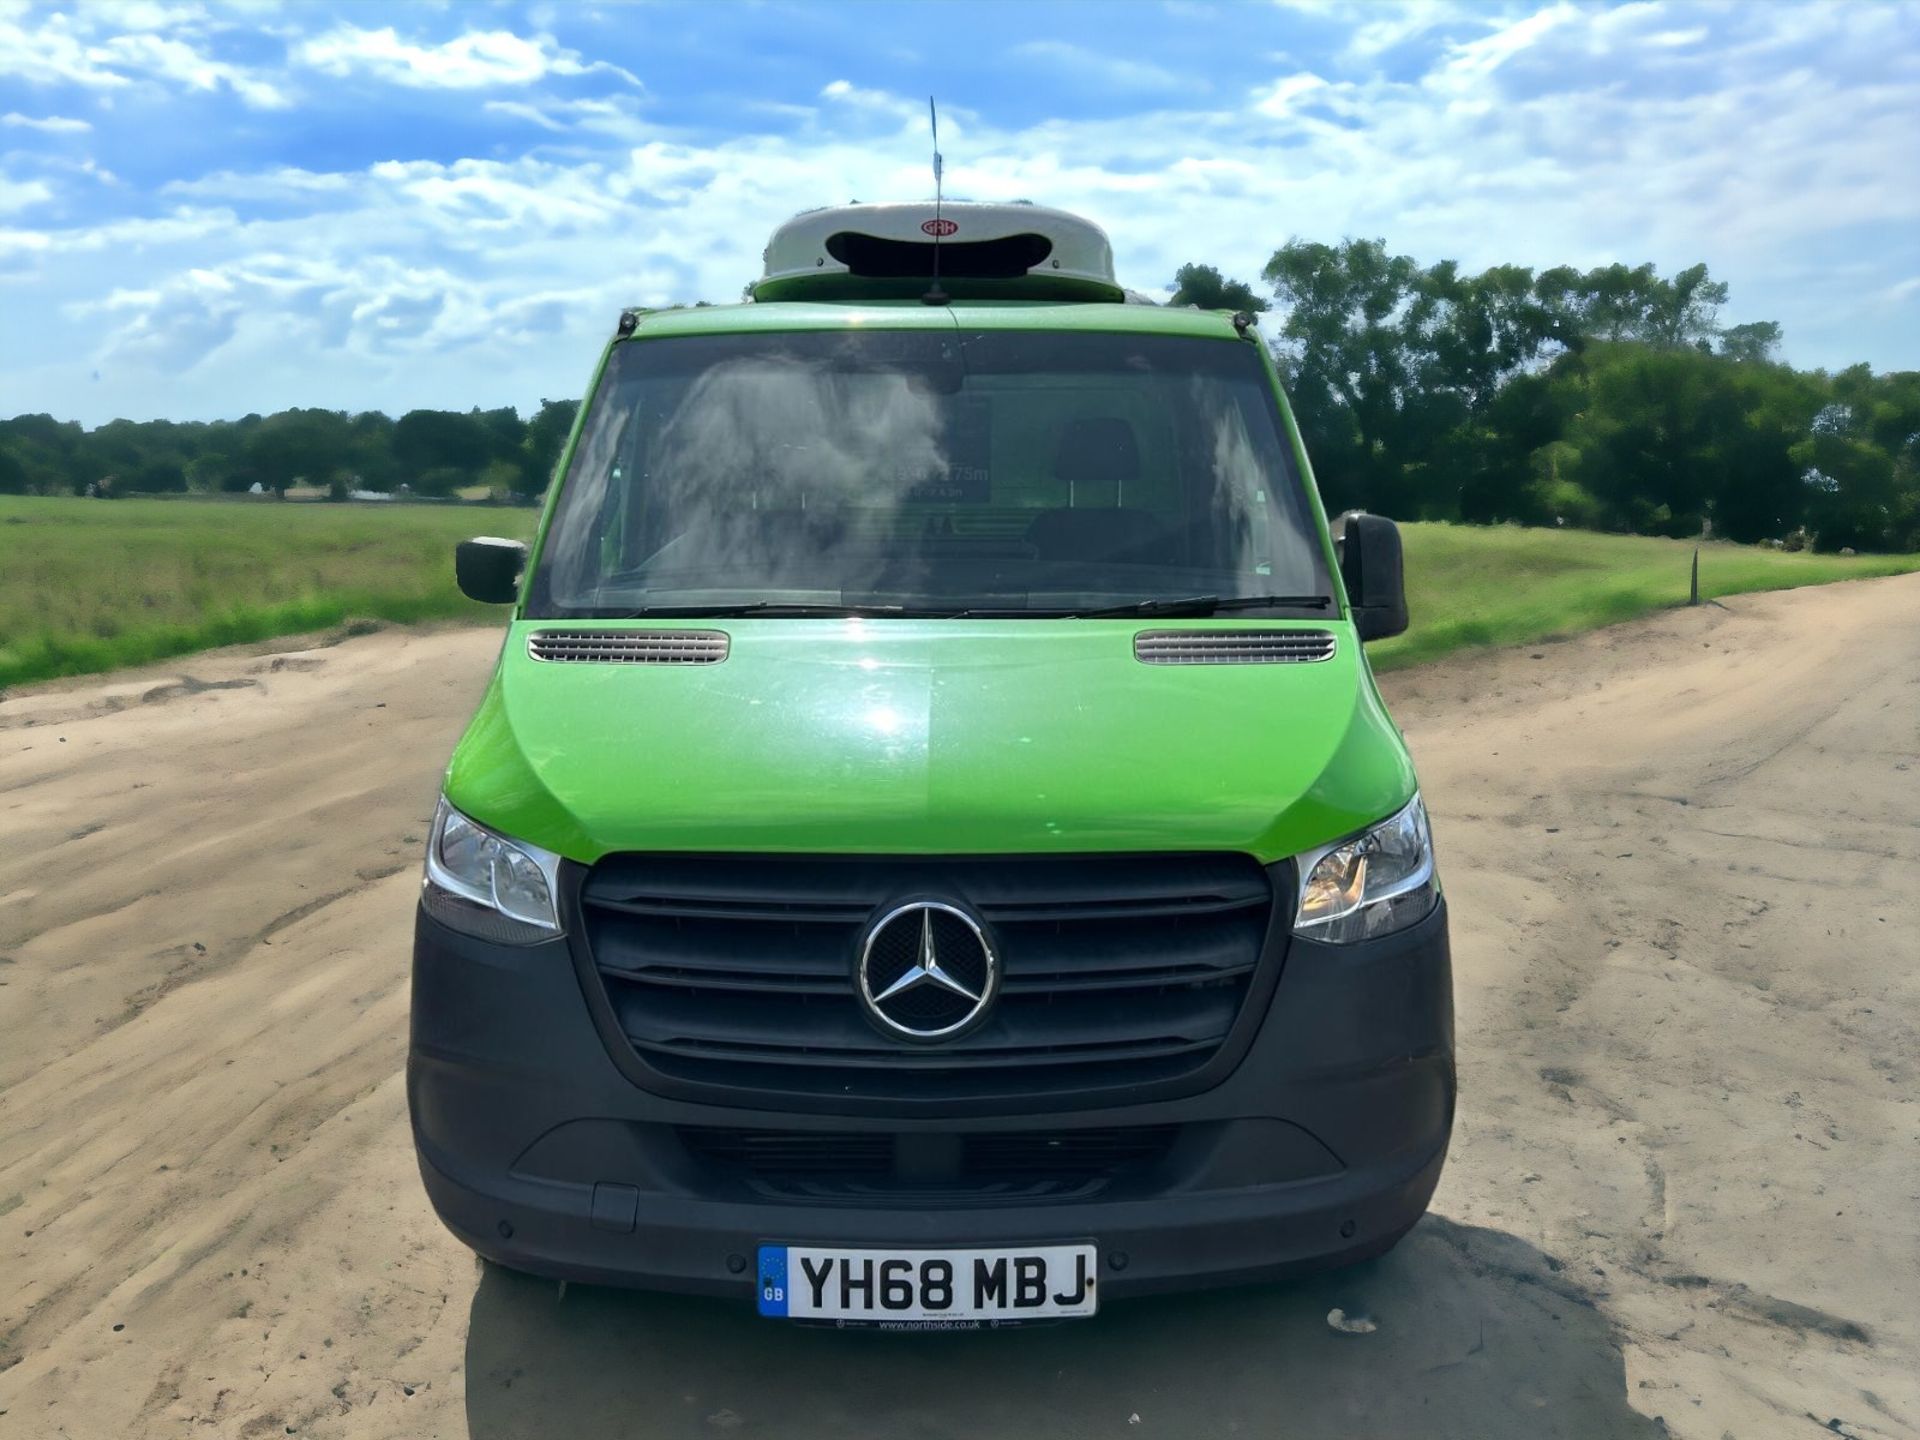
[[1226, 1057], [876, 257]]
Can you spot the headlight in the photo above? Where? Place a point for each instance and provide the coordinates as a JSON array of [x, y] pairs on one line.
[[1380, 881], [486, 885]]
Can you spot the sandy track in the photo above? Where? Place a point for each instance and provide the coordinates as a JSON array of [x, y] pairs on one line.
[[1686, 1178]]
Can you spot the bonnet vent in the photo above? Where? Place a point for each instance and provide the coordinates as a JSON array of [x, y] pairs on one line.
[[1232, 647], [629, 647]]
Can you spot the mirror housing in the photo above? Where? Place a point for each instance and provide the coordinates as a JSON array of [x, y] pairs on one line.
[[487, 568], [1370, 566]]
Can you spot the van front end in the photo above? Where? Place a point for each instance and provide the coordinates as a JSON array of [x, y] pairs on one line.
[[553, 1141], [932, 853], [1020, 1023]]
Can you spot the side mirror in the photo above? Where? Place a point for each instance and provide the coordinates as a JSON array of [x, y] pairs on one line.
[[488, 568], [1370, 566]]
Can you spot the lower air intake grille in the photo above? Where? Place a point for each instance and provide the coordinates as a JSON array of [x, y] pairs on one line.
[[735, 973], [629, 647], [991, 1167], [1232, 647]]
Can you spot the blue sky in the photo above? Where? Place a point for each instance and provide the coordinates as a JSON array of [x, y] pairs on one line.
[[207, 210]]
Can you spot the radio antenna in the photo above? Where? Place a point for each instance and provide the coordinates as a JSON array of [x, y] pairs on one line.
[[935, 295]]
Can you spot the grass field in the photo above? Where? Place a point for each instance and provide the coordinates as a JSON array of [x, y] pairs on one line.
[[88, 585], [1500, 585]]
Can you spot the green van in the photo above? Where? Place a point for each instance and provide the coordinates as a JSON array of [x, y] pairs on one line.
[[932, 853]]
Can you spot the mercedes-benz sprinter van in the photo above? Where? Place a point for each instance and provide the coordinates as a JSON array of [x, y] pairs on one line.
[[932, 853]]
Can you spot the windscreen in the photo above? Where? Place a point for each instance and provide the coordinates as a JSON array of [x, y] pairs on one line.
[[929, 471]]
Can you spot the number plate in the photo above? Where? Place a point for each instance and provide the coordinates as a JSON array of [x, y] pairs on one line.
[[928, 1289]]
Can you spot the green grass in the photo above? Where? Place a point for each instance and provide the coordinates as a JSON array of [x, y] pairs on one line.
[[88, 585], [91, 585], [1502, 585]]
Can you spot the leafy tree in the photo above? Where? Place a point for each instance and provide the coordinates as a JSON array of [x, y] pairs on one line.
[[370, 457], [1394, 369], [157, 477], [505, 431], [1620, 302], [1512, 462], [114, 449], [1685, 309], [57, 436], [1754, 341], [1485, 329], [208, 471], [432, 440], [1758, 495], [546, 438], [43, 448], [1669, 439], [1206, 288], [308, 445], [1850, 488], [441, 481], [1345, 349], [1859, 460]]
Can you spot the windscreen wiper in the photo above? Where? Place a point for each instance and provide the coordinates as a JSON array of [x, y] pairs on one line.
[[1205, 605]]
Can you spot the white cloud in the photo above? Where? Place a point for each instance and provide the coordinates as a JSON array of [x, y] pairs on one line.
[[22, 242], [150, 15], [616, 116], [1111, 71], [878, 102], [282, 183], [1468, 65], [1282, 97], [476, 60], [165, 58], [1528, 139], [131, 236], [69, 49], [48, 125], [521, 110], [1386, 27], [21, 194], [175, 330], [53, 52]]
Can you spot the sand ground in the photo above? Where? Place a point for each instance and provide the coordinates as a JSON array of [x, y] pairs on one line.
[[1685, 1188]]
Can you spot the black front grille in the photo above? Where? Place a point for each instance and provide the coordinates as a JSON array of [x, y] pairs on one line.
[[997, 1167], [737, 971], [811, 1153]]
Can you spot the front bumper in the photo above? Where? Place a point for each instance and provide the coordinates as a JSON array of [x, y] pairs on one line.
[[1322, 1146]]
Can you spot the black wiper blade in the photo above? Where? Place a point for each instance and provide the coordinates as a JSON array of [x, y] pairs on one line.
[[1206, 605], [775, 608], [1277, 602]]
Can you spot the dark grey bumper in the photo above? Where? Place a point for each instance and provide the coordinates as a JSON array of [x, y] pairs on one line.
[[1322, 1146]]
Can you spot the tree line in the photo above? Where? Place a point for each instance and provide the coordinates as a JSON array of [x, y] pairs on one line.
[[1609, 399], [429, 452]]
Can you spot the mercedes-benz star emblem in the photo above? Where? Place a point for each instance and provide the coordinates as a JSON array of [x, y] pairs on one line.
[[927, 971]]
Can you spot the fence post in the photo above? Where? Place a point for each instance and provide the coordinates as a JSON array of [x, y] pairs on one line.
[[1693, 597]]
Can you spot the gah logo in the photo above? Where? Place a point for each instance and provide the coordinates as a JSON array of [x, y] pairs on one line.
[[942, 228]]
